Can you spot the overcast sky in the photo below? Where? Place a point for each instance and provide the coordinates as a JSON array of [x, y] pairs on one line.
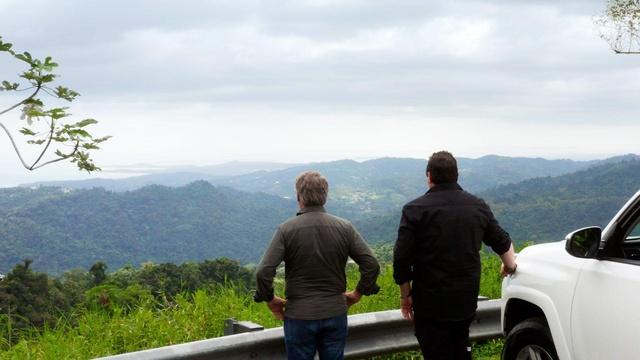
[[204, 82]]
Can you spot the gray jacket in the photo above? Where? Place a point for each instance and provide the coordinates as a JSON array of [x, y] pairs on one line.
[[315, 247]]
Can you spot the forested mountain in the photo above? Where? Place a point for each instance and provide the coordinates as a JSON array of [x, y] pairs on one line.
[[548, 208], [60, 230]]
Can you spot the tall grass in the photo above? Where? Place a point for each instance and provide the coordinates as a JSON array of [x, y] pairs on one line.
[[201, 315]]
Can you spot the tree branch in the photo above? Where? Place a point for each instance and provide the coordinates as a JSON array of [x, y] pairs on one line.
[[75, 149], [53, 127], [13, 142], [15, 146], [23, 101]]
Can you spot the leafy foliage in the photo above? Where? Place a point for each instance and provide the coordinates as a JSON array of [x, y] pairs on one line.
[[620, 26], [31, 301], [47, 126], [131, 324]]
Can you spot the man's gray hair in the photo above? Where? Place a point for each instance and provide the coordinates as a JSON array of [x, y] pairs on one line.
[[312, 188]]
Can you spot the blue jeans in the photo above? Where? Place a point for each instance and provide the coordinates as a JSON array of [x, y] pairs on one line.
[[326, 336]]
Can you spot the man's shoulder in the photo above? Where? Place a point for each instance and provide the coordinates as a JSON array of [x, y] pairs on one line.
[[455, 197], [338, 220], [422, 199], [289, 223], [328, 218], [472, 197], [308, 219]]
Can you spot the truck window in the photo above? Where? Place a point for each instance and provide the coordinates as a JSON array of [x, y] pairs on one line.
[[634, 234], [631, 243]]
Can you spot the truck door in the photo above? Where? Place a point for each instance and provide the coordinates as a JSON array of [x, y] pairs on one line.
[[605, 315]]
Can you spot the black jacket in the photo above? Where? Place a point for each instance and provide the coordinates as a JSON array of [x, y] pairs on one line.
[[438, 246]]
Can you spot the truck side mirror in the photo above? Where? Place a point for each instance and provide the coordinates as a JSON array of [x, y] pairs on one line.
[[583, 243]]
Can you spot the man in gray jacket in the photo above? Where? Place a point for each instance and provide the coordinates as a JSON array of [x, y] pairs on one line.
[[315, 247]]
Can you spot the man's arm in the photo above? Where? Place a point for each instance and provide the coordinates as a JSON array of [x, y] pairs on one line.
[[265, 273], [500, 242], [509, 265], [403, 259], [404, 251], [406, 301], [368, 266]]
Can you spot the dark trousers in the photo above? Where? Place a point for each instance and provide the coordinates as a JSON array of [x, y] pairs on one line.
[[443, 340], [303, 338]]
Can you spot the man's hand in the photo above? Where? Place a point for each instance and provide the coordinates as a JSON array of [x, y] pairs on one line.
[[509, 265], [352, 297], [276, 305], [504, 271], [406, 307]]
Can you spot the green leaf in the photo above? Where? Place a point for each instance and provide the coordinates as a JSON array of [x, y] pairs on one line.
[[90, 146], [27, 131], [58, 113], [34, 101], [79, 132], [30, 75], [36, 142], [85, 122], [5, 46], [48, 64], [47, 78], [66, 93], [26, 57], [102, 139], [7, 86]]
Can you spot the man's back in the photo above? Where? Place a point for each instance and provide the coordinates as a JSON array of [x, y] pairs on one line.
[[316, 247], [436, 260], [438, 246]]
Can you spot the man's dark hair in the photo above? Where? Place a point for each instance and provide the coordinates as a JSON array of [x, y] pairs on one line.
[[443, 168]]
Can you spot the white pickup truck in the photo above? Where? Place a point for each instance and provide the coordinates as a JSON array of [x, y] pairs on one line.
[[578, 298]]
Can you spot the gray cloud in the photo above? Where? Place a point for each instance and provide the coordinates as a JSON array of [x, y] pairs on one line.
[[509, 62]]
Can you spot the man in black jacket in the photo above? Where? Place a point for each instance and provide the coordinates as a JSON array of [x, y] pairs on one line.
[[436, 260]]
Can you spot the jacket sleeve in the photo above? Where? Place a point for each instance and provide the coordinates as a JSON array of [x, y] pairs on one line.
[[369, 267], [266, 270], [404, 250], [495, 236]]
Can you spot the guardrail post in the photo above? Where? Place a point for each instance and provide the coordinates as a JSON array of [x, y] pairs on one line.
[[232, 326]]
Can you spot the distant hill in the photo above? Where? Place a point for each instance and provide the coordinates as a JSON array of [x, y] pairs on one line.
[[378, 186], [548, 208], [544, 209], [371, 186], [62, 230], [171, 176]]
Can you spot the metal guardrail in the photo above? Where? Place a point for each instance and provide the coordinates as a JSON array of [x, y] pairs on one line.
[[370, 334]]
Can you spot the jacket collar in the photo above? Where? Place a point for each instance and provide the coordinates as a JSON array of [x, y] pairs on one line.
[[445, 187], [308, 209]]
